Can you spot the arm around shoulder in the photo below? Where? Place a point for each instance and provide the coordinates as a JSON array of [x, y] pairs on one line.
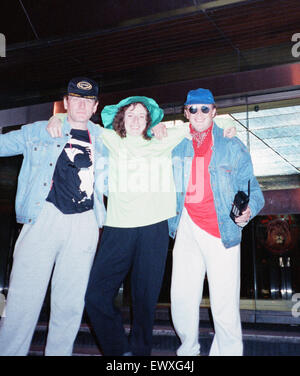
[[54, 126], [176, 134]]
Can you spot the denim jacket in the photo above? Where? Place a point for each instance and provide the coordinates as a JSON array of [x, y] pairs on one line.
[[230, 169], [40, 152]]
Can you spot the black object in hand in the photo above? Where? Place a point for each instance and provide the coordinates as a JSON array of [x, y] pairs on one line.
[[240, 203]]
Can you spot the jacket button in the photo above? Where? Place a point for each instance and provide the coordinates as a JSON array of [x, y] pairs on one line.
[[58, 146], [51, 164], [45, 184]]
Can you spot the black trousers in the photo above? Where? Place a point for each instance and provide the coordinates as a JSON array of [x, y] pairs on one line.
[[143, 250]]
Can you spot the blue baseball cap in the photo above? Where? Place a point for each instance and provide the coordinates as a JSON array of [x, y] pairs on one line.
[[200, 96]]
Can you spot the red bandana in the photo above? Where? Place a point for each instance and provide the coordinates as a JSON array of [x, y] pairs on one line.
[[201, 140]]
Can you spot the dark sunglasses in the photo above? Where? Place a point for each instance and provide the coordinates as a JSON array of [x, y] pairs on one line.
[[194, 109]]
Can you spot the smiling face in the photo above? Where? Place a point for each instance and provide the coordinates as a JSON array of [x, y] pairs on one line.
[[200, 120], [79, 110], [135, 119]]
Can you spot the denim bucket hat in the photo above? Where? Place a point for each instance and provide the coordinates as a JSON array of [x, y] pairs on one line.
[[109, 112]]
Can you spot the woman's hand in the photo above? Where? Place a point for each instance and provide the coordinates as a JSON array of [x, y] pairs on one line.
[[160, 131], [229, 132], [54, 127]]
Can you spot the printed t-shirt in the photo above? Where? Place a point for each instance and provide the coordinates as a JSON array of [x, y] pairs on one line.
[[73, 179]]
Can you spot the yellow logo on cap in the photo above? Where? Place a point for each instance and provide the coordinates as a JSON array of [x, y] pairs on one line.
[[84, 85]]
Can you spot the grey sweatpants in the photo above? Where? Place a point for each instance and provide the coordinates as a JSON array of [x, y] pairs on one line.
[[67, 243]]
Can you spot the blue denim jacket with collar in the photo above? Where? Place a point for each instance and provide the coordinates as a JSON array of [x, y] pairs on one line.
[[40, 153], [230, 169]]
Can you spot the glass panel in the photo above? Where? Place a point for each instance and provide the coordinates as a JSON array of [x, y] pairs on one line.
[[273, 139]]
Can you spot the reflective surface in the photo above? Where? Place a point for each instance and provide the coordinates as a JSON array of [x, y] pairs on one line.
[[273, 138]]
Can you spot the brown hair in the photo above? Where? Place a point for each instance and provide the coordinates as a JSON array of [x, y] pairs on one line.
[[119, 123]]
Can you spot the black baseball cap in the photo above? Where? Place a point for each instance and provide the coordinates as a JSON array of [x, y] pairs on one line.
[[83, 87]]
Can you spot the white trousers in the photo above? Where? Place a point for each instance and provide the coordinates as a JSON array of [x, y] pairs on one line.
[[69, 242], [196, 253]]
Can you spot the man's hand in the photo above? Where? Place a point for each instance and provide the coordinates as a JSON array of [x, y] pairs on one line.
[[54, 127], [160, 131], [243, 219], [229, 132]]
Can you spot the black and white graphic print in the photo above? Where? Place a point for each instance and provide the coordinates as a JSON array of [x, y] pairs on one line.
[[73, 179]]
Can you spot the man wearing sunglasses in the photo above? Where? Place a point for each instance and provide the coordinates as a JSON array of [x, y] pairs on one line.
[[209, 170]]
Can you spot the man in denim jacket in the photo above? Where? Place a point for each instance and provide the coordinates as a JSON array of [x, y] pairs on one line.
[[61, 214], [209, 170]]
